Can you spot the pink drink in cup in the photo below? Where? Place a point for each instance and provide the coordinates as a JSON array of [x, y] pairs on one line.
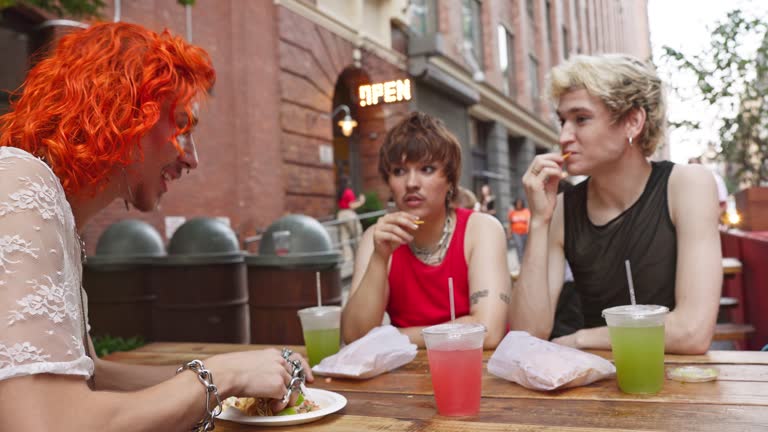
[[455, 352]]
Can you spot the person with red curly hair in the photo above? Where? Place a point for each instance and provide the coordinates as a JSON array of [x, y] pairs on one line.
[[108, 115]]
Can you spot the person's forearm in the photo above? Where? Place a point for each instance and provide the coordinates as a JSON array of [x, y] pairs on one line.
[[414, 333], [129, 377], [681, 336], [592, 338], [531, 303], [365, 308], [69, 405], [687, 335], [175, 405]]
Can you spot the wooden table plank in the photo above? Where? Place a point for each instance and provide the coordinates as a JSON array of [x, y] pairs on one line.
[[331, 423], [348, 423], [718, 392], [712, 357], [402, 399], [728, 371], [372, 411], [728, 392], [580, 414]]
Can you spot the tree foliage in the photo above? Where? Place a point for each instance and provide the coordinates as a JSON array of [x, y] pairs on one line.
[[734, 79], [76, 8]]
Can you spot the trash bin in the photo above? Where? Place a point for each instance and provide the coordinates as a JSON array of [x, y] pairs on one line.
[[281, 278], [200, 287], [116, 279]]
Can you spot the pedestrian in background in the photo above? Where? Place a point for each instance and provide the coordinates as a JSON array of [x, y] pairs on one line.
[[350, 228], [487, 200], [465, 199], [519, 217]]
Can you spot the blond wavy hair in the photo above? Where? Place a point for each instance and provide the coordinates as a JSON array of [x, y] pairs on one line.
[[622, 82]]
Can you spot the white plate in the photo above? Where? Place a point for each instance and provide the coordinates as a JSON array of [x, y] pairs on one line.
[[328, 401]]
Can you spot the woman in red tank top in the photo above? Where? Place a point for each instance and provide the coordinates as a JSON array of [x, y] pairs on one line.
[[406, 258]]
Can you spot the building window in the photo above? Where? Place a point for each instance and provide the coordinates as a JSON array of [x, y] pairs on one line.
[[533, 78], [532, 29], [423, 16], [566, 43], [579, 27], [529, 9], [473, 30], [479, 148], [507, 61], [549, 21]]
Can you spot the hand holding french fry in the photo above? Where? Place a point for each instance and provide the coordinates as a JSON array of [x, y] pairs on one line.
[[540, 182]]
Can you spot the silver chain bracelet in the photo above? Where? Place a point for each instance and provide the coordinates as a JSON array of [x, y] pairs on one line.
[[206, 377]]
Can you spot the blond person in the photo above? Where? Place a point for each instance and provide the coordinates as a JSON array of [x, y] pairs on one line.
[[406, 258], [108, 115], [660, 216]]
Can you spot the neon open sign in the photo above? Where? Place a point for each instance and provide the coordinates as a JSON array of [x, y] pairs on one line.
[[386, 92]]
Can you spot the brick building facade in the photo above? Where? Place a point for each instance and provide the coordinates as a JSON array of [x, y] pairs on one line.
[[267, 142]]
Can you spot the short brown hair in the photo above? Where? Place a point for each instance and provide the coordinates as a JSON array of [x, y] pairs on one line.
[[420, 137]]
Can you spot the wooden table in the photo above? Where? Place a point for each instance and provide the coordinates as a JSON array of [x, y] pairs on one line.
[[402, 400]]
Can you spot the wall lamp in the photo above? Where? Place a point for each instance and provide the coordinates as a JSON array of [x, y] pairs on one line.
[[347, 123]]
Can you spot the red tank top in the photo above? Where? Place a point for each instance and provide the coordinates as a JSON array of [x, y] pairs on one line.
[[418, 293]]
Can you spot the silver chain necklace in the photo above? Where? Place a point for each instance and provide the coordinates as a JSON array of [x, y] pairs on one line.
[[436, 253]]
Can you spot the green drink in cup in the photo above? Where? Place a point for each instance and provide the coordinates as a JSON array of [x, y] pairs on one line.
[[637, 343], [320, 325]]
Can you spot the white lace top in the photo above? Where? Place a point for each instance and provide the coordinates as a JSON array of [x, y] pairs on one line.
[[41, 300]]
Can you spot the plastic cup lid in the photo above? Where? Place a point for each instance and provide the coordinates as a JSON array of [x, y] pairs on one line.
[[693, 374], [453, 329], [636, 311], [320, 310]]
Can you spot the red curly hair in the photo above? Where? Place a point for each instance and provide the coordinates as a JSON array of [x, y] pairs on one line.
[[86, 106]]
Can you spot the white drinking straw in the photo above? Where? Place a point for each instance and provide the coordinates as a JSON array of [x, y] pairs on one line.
[[629, 279], [319, 296], [450, 296]]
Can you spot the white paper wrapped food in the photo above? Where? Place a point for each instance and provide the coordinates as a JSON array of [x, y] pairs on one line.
[[541, 365], [381, 350]]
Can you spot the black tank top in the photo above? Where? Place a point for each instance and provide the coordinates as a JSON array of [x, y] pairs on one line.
[[643, 233]]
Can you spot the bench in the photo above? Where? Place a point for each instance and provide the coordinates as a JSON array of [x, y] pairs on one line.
[[732, 331]]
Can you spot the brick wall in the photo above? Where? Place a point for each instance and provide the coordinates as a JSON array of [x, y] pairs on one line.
[[261, 130], [239, 175]]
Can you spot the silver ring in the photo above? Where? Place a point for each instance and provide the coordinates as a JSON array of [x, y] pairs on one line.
[[286, 353]]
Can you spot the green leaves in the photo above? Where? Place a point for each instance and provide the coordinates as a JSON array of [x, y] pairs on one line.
[[77, 8], [107, 344], [731, 75], [372, 203]]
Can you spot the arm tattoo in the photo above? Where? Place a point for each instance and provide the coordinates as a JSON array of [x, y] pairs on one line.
[[505, 298], [475, 296]]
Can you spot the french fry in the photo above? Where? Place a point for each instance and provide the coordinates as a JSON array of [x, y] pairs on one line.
[[566, 155], [418, 222]]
